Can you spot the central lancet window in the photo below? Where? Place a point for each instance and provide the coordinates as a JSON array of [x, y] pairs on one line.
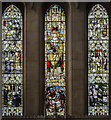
[[55, 81], [98, 61], [12, 62]]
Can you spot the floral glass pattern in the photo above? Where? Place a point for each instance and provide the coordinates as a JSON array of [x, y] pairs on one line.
[[55, 82], [98, 61], [12, 62]]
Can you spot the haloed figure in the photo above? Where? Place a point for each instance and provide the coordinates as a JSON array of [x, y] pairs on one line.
[[55, 59]]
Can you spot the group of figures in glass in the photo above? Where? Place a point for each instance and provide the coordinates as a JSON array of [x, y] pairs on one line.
[[55, 79]]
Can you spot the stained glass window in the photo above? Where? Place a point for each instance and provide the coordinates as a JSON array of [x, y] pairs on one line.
[[12, 62], [55, 82], [98, 61]]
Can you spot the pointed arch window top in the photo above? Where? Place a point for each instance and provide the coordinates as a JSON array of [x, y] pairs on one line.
[[12, 24], [55, 13], [12, 12], [98, 11]]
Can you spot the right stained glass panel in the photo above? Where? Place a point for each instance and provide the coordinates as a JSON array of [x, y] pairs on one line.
[[98, 61]]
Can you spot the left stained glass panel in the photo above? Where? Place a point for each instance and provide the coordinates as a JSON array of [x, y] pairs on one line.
[[12, 62]]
